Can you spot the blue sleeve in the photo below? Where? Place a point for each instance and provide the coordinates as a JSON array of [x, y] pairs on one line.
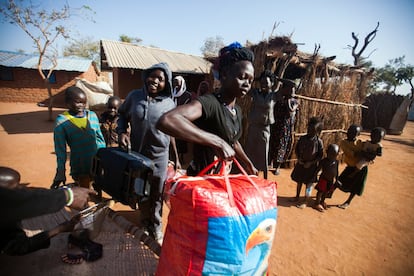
[[95, 125], [59, 137]]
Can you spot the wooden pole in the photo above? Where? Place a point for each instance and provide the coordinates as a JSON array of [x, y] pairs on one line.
[[328, 101]]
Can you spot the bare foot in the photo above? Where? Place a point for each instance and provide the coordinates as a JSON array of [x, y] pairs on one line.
[[320, 208], [302, 205], [276, 172], [344, 206]]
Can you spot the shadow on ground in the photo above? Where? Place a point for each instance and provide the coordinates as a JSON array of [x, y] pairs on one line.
[[407, 142], [28, 122]]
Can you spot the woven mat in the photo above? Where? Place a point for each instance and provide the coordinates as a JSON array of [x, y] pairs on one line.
[[126, 250]]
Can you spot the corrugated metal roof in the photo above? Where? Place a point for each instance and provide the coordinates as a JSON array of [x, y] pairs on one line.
[[118, 54], [14, 59]]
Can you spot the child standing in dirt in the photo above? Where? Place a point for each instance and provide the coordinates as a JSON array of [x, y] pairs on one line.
[[109, 120], [328, 177], [80, 130], [260, 119], [309, 151], [352, 179], [371, 149], [357, 155]]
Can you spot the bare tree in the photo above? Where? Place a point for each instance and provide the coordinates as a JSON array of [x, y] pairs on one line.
[[358, 59], [212, 45], [44, 27]]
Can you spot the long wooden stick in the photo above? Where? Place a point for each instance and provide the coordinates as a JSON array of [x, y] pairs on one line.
[[328, 101], [324, 131]]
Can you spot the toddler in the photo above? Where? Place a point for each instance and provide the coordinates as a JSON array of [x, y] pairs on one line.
[[109, 120], [371, 149], [328, 177]]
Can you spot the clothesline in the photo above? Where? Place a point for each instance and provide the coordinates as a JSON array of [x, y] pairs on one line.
[[329, 101]]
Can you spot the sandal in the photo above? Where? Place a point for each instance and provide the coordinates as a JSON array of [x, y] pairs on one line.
[[72, 258]]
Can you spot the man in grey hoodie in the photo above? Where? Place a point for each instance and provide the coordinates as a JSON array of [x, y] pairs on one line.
[[140, 111]]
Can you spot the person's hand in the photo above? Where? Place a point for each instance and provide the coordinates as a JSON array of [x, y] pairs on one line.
[[60, 178], [123, 140], [225, 151], [81, 197], [56, 184], [251, 169]]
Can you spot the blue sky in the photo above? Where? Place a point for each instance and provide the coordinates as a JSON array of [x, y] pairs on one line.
[[184, 25]]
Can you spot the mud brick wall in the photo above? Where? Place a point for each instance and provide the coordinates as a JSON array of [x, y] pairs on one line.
[[28, 86]]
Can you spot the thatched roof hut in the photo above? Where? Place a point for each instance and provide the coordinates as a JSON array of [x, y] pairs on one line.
[[333, 92]]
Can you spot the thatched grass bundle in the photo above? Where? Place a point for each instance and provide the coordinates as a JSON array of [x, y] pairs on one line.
[[381, 109]]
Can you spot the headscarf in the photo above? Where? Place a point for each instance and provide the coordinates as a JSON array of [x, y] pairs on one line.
[[199, 87], [177, 94]]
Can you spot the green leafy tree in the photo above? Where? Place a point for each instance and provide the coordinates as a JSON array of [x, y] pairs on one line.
[[44, 27], [211, 46], [406, 75], [129, 39], [394, 74]]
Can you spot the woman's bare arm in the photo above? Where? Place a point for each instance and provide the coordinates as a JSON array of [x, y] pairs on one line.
[[178, 123], [242, 156]]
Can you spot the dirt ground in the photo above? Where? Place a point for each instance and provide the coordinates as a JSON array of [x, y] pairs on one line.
[[373, 236]]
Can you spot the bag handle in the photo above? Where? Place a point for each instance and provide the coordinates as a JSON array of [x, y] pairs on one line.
[[247, 176], [210, 166], [223, 172]]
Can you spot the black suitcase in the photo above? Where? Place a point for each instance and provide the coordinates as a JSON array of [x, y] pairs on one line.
[[122, 175]]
